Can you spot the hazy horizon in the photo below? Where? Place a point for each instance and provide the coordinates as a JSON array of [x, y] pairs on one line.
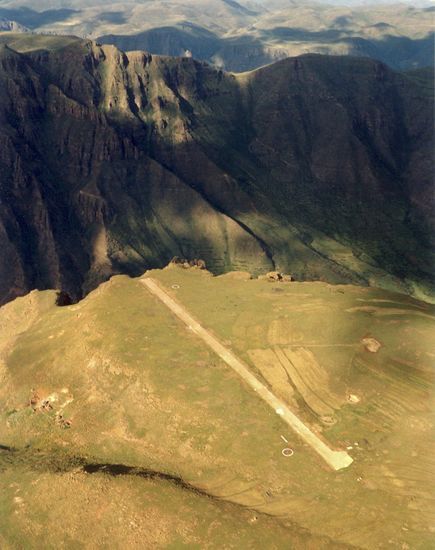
[[40, 5]]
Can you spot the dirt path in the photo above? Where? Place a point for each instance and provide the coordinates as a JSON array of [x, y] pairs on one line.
[[335, 459]]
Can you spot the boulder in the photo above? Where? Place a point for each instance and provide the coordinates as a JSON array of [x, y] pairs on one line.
[[274, 276], [371, 344]]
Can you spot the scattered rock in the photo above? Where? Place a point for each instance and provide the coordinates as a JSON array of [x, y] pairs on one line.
[[40, 405], [63, 423], [186, 264], [371, 344], [277, 277], [274, 276], [34, 400], [46, 406], [352, 398]]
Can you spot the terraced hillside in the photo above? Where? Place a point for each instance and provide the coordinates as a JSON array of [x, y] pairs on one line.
[[118, 424], [112, 162]]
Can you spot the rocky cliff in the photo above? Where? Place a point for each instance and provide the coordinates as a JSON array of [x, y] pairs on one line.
[[113, 162]]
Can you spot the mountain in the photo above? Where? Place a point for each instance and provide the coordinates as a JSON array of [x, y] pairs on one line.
[[241, 36], [171, 41], [119, 427], [247, 52], [97, 17], [111, 162], [34, 19], [13, 26]]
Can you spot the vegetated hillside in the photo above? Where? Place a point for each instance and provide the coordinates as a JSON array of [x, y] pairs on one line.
[[124, 427], [112, 162]]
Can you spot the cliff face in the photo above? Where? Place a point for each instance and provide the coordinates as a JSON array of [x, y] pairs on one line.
[[115, 163]]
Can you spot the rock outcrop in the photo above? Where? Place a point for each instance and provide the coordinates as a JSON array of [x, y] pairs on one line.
[[113, 162]]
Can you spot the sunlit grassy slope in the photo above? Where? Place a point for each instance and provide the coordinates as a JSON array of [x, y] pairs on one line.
[[178, 450], [23, 42]]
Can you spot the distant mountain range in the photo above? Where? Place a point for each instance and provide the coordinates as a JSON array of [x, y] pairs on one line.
[[245, 53], [244, 35], [12, 26], [110, 162]]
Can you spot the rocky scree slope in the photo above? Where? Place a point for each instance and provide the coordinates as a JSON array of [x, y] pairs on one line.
[[113, 162]]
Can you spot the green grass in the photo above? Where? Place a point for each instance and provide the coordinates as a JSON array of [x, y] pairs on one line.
[[23, 42], [154, 513], [148, 393]]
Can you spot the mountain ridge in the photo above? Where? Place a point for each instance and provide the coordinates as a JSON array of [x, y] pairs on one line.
[[244, 53], [139, 158], [240, 36]]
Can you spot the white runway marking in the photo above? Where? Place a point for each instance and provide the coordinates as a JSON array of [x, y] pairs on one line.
[[335, 459]]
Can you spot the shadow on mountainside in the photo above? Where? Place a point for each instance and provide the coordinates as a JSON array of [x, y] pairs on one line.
[[308, 166], [247, 52], [32, 19]]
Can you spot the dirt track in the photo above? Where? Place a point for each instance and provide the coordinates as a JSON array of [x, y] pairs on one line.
[[337, 460]]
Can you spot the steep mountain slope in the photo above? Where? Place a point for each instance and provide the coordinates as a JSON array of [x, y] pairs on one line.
[[115, 162], [123, 426]]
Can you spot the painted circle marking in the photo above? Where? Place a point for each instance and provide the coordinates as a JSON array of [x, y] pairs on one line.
[[287, 452]]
